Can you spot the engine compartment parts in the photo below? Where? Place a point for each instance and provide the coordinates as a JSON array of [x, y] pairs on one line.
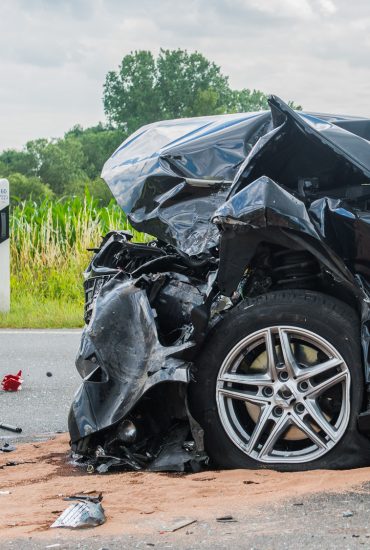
[[238, 334]]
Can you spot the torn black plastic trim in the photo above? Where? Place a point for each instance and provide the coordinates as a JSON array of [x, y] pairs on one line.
[[122, 336]]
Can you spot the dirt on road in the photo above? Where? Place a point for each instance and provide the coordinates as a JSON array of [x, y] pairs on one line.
[[35, 478]]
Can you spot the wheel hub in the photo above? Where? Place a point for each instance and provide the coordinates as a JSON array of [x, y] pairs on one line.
[[284, 395]]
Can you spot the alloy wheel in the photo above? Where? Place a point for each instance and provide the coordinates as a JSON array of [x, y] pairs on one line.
[[283, 395]]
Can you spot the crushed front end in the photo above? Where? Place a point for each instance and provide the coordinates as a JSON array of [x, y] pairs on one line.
[[135, 358], [256, 217]]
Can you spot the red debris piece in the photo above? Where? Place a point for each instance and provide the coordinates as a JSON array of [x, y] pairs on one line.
[[12, 382]]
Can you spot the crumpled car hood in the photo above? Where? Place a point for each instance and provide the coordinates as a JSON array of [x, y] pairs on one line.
[[170, 176]]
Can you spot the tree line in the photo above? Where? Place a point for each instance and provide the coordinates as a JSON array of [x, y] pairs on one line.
[[144, 89]]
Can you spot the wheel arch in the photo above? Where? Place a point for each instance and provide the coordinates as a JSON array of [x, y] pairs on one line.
[[240, 248]]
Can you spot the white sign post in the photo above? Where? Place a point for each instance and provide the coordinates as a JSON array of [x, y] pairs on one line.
[[4, 247]]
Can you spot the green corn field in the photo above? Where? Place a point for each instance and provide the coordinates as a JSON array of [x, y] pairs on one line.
[[48, 257]]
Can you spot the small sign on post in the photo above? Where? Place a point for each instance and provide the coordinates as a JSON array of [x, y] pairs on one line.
[[4, 247]]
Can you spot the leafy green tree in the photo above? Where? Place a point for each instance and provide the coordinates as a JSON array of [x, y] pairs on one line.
[[99, 190], [3, 169], [188, 80], [206, 102], [24, 188], [65, 165], [244, 101], [61, 166], [98, 143], [145, 88], [131, 96], [36, 150], [176, 84], [13, 161]]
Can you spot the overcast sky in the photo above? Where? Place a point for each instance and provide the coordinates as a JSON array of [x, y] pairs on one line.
[[54, 54]]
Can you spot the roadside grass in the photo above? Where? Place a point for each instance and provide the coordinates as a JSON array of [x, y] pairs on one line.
[[28, 312], [48, 257]]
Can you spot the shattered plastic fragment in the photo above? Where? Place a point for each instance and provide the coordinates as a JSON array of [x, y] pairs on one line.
[[87, 512], [12, 382], [7, 448]]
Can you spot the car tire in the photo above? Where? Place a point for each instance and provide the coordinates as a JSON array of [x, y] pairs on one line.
[[311, 325]]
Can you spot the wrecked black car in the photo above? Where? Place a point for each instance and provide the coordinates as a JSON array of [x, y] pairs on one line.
[[240, 330]]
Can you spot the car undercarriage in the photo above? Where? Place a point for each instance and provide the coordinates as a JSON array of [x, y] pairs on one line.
[[237, 335]]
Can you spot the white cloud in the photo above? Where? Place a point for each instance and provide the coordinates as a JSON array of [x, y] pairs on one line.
[[327, 7], [55, 53], [300, 9]]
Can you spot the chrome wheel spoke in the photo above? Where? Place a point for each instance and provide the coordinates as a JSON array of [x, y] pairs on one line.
[[241, 395], [315, 412], [321, 368], [309, 431], [260, 426], [256, 381], [279, 428], [320, 388], [271, 354], [288, 355]]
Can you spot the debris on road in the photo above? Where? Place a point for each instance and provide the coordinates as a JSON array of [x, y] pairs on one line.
[[12, 382], [87, 512], [226, 519], [7, 448], [16, 463], [144, 503], [95, 499], [179, 524], [10, 428], [174, 454]]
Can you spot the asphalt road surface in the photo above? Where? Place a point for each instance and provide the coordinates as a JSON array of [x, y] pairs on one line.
[[41, 407]]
